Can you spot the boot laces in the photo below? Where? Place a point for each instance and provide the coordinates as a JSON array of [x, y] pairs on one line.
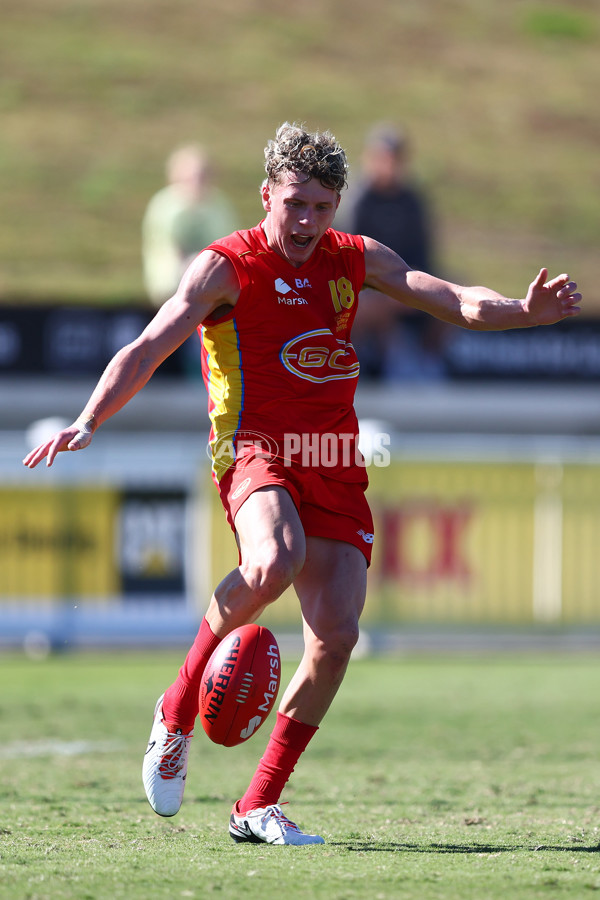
[[275, 812], [173, 757]]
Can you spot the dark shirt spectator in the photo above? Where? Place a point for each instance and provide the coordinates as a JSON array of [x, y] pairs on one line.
[[388, 206]]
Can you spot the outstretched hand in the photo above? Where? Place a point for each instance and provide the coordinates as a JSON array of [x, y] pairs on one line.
[[548, 302], [75, 437]]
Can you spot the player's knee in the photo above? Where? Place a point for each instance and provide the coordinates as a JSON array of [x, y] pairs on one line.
[[272, 572], [336, 643]]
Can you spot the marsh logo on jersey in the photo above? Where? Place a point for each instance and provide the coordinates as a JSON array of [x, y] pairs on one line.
[[318, 356], [290, 296]]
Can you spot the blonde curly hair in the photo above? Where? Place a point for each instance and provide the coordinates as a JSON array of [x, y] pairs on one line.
[[314, 154]]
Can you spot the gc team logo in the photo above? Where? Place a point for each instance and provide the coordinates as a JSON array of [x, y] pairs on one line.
[[315, 360]]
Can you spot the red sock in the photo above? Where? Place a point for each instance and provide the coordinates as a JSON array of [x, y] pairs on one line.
[[182, 700], [288, 741]]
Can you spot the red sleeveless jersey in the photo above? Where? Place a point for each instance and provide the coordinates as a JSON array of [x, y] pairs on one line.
[[280, 365]]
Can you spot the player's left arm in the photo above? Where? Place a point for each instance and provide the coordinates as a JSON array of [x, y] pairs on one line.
[[477, 308]]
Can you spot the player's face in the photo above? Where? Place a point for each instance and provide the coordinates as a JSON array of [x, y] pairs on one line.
[[298, 215]]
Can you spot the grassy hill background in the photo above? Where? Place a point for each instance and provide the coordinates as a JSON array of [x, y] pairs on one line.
[[501, 101]]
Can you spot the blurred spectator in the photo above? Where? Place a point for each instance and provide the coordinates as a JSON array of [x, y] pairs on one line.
[[388, 206], [185, 216]]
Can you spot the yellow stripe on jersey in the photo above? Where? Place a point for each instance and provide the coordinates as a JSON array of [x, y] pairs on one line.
[[225, 390]]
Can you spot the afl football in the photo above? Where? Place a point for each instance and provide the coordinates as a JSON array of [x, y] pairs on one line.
[[240, 685]]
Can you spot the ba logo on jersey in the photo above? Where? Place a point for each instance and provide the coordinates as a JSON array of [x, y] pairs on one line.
[[317, 356], [287, 296]]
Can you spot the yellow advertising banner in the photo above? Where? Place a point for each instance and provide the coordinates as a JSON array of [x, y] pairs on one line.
[[578, 494], [454, 542], [57, 543], [465, 542]]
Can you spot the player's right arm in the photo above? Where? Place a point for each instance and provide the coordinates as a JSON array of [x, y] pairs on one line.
[[209, 284]]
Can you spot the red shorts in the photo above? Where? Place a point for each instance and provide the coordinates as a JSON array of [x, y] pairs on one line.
[[327, 507]]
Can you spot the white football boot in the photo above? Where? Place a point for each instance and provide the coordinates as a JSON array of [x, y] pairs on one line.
[[268, 825], [165, 765]]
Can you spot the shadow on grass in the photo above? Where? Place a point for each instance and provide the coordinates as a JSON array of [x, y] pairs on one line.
[[392, 847]]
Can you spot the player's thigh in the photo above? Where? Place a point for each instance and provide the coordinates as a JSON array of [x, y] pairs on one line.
[[268, 523], [332, 587]]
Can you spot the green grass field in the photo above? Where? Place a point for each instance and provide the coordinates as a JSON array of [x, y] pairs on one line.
[[431, 778]]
